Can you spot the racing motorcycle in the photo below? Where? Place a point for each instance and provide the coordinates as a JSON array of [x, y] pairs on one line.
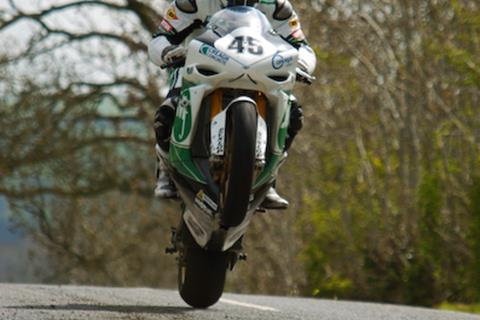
[[227, 142]]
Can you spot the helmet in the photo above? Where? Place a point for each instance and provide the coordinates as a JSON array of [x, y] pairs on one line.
[[231, 3]]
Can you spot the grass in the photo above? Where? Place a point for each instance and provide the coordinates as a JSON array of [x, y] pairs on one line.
[[470, 308]]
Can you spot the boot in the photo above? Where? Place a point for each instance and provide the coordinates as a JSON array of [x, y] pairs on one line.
[[274, 201], [165, 188]]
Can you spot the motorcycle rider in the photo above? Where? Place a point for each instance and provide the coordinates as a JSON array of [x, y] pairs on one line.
[[186, 18]]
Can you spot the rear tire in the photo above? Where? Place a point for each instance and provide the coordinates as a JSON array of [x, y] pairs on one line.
[[202, 276], [240, 152]]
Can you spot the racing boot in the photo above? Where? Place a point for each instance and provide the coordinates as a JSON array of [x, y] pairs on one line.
[[165, 188], [274, 201]]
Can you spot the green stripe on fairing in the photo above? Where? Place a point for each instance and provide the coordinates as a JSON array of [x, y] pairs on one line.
[[268, 171], [181, 159], [282, 132], [172, 76], [182, 125], [274, 160]]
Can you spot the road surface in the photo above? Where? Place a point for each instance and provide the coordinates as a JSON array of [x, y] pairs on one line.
[[38, 302]]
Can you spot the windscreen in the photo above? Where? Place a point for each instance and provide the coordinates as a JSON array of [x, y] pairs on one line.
[[229, 19]]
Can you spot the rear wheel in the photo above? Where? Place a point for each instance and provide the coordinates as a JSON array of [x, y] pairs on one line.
[[201, 274], [240, 164]]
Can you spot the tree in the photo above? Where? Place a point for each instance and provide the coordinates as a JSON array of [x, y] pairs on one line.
[[395, 151], [78, 98]]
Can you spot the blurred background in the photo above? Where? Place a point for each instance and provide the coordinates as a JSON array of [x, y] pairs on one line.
[[384, 179]]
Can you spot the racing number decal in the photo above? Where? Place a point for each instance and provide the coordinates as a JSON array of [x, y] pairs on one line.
[[241, 43]]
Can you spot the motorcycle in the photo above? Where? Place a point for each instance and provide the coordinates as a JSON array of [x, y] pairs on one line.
[[227, 142]]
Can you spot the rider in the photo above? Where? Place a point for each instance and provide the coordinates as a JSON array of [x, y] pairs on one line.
[[185, 18]]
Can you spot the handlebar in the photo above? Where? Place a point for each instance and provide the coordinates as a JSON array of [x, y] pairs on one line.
[[305, 77], [174, 64]]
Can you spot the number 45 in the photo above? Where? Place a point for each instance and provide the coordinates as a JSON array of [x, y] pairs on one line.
[[241, 43]]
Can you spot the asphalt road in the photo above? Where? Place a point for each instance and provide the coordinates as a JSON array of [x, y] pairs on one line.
[[38, 302]]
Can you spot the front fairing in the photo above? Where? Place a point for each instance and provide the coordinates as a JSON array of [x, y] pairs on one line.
[[245, 34]]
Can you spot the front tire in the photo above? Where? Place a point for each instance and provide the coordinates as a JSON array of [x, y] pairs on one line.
[[240, 155]]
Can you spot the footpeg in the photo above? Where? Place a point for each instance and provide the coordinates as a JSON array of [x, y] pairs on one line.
[[235, 257], [170, 250]]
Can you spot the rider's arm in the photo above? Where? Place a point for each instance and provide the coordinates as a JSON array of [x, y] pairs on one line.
[[180, 19], [285, 21]]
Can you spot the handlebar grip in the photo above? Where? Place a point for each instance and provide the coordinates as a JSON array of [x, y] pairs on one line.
[[304, 77], [174, 64]]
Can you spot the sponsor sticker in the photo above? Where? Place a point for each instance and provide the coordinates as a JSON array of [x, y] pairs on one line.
[[183, 119], [166, 25], [203, 207], [205, 203], [206, 199], [172, 14], [293, 23], [278, 61], [214, 53], [220, 142]]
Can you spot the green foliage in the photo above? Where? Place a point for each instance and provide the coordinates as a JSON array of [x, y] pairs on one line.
[[393, 213], [430, 203], [459, 51], [465, 62], [460, 307], [474, 235], [323, 278]]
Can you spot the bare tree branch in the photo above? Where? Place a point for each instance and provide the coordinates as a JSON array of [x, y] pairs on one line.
[[39, 15]]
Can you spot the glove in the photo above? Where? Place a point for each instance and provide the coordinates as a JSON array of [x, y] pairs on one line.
[[173, 53], [306, 59], [302, 65]]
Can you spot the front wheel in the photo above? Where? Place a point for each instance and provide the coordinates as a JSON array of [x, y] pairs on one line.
[[240, 162]]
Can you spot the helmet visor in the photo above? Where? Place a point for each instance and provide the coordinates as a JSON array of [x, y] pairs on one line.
[[229, 19]]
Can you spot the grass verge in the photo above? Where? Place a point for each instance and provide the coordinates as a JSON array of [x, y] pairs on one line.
[[470, 308]]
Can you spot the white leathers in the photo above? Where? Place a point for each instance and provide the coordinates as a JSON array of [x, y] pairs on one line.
[[182, 14]]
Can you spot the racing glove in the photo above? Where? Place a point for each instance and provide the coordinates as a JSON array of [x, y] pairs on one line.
[[306, 59], [173, 53]]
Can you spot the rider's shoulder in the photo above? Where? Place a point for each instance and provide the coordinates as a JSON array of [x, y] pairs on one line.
[[279, 9], [187, 6], [198, 6]]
